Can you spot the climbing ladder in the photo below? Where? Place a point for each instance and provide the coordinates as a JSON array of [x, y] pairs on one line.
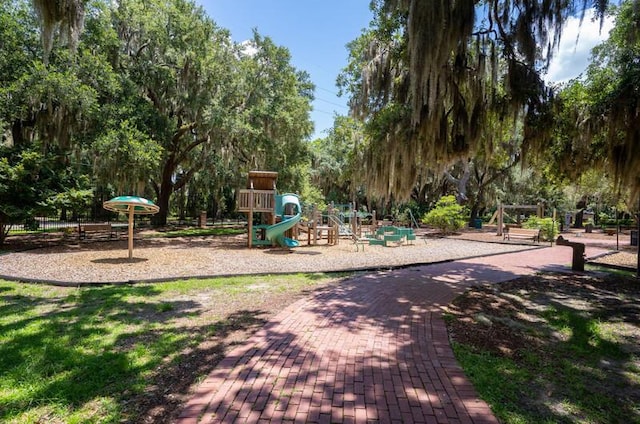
[[344, 230]]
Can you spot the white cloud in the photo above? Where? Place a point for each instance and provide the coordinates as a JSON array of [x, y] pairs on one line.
[[248, 48], [571, 58]]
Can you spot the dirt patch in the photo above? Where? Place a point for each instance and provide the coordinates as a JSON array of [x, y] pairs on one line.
[[519, 319], [621, 259], [492, 317]]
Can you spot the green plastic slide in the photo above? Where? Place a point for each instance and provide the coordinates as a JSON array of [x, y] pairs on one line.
[[275, 233]]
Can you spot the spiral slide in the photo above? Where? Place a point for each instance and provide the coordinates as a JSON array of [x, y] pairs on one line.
[[275, 233]]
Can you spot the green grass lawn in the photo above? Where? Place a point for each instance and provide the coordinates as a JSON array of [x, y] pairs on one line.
[[94, 355]]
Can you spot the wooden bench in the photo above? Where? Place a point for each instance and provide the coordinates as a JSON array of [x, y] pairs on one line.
[[522, 233], [104, 228]]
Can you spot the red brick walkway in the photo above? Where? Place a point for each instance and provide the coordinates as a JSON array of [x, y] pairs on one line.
[[374, 349]]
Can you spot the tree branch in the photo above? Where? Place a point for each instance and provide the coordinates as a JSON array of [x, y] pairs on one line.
[[182, 155], [184, 179]]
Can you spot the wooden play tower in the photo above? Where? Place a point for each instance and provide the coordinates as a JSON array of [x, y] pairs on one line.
[[258, 197]]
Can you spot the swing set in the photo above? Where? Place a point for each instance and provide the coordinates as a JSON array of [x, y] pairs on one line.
[[500, 214]]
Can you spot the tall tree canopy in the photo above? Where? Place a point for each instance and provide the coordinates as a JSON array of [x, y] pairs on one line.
[[430, 76], [595, 125], [178, 66], [204, 101], [148, 97], [335, 160], [600, 114]]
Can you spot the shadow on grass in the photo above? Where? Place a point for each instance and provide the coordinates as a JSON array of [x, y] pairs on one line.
[[116, 347], [161, 349], [560, 348]]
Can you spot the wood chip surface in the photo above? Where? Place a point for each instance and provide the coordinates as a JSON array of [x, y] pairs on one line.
[[162, 259]]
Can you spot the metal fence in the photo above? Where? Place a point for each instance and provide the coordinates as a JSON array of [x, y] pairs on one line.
[[44, 224], [51, 224]]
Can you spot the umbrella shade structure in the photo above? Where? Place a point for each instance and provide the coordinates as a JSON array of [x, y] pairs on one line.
[[131, 205]]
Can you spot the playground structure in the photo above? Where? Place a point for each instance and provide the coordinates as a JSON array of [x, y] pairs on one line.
[[317, 226], [281, 212], [344, 222], [341, 221], [282, 224]]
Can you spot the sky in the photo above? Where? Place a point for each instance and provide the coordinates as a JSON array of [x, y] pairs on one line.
[[572, 58], [316, 33]]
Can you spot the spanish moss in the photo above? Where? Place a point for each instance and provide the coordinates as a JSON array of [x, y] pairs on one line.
[[65, 16], [431, 89]]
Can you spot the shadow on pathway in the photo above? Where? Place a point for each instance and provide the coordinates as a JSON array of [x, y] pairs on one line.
[[373, 349]]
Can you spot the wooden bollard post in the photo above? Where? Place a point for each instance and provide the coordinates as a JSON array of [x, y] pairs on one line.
[[577, 263]]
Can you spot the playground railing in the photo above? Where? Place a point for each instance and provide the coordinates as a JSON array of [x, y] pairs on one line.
[[413, 219], [256, 200], [343, 229]]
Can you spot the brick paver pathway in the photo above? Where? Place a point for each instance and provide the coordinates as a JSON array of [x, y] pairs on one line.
[[373, 349]]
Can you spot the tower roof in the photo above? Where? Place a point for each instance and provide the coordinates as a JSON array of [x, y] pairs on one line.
[[262, 180]]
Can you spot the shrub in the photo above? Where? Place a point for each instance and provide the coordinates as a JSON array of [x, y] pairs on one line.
[[31, 224], [548, 228], [447, 216]]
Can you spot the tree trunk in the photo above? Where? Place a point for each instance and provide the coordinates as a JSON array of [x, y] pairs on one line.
[[164, 194], [578, 221], [182, 205], [2, 233], [477, 203], [214, 208], [462, 182], [473, 215], [160, 219]]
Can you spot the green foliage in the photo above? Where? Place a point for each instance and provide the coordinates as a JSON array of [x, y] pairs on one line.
[[73, 199], [596, 125], [126, 157], [412, 211], [273, 122], [157, 96], [335, 160], [448, 216], [19, 42], [25, 181], [548, 228], [31, 224], [310, 195], [605, 220], [47, 115]]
